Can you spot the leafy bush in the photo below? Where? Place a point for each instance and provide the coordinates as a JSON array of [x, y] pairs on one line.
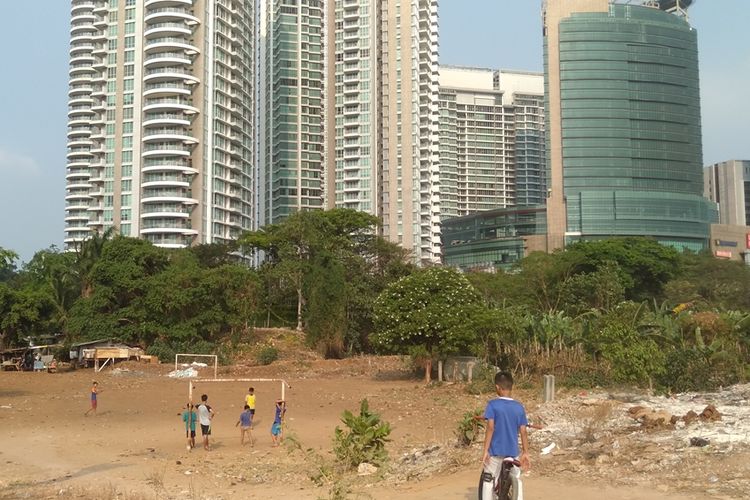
[[469, 426], [585, 378], [166, 349], [267, 355], [363, 440]]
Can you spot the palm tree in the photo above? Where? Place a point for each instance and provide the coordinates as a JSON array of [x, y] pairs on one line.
[[88, 253]]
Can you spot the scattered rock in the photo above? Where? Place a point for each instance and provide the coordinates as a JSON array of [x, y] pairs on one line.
[[710, 414], [179, 462], [699, 442], [366, 469]]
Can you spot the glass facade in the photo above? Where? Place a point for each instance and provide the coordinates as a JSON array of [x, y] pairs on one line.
[[491, 239], [631, 134], [293, 126]]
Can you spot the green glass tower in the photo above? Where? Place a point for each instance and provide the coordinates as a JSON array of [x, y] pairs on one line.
[[291, 145], [624, 142]]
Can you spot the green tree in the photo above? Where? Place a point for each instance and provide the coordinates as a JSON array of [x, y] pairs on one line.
[[8, 260], [647, 265], [88, 252], [426, 314]]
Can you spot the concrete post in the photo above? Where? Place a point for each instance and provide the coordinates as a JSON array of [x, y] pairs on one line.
[[549, 388], [440, 370]]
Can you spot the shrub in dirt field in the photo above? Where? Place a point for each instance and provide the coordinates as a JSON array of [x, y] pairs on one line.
[[267, 355], [363, 439], [469, 427]]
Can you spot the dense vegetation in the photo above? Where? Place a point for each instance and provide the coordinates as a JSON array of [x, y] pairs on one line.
[[622, 310]]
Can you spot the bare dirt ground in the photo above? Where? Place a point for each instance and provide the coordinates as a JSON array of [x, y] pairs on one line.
[[135, 448]]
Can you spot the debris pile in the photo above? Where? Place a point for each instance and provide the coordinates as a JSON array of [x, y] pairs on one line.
[[185, 373]]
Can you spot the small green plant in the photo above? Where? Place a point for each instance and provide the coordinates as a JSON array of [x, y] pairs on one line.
[[363, 439], [469, 427], [267, 355]]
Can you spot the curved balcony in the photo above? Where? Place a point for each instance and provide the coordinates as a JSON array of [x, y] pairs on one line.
[[79, 89], [166, 183], [170, 74], [81, 47], [77, 216], [170, 43], [166, 29], [77, 196], [83, 142], [160, 59], [79, 185], [80, 132], [79, 69], [76, 206], [166, 149], [169, 14], [169, 104], [152, 4], [82, 19], [166, 211], [168, 135], [166, 119], [167, 88], [85, 58], [83, 37], [168, 230], [170, 165], [79, 153], [81, 79], [78, 101], [77, 174], [84, 5], [167, 197]]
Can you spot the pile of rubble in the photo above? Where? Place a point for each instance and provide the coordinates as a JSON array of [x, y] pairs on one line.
[[655, 438]]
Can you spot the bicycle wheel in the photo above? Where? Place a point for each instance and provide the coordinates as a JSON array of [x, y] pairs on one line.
[[505, 488]]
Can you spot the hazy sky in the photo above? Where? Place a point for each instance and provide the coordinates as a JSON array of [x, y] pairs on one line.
[[487, 33]]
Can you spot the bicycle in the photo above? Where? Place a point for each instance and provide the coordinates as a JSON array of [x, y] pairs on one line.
[[506, 485]]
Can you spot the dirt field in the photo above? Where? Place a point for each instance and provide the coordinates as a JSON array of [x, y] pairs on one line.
[[135, 447]]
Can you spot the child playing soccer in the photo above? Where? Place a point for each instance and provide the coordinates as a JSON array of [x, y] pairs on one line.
[[94, 393], [276, 429], [205, 414], [506, 420], [246, 422], [250, 400], [190, 417]]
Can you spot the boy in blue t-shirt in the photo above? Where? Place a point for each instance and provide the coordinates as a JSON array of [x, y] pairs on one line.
[[246, 422], [277, 432], [189, 417], [506, 420]]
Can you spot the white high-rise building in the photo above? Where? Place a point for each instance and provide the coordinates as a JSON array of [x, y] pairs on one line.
[[728, 185], [382, 118], [491, 139], [160, 120]]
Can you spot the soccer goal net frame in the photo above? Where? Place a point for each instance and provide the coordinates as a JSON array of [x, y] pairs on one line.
[[192, 384], [190, 355]]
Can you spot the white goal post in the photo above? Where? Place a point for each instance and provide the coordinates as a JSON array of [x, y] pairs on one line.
[[189, 355], [193, 382]]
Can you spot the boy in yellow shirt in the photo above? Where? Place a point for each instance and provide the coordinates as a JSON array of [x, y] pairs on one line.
[[250, 400]]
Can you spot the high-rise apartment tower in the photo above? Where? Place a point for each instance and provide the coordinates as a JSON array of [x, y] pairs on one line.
[[291, 108], [160, 120], [491, 140], [381, 123]]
